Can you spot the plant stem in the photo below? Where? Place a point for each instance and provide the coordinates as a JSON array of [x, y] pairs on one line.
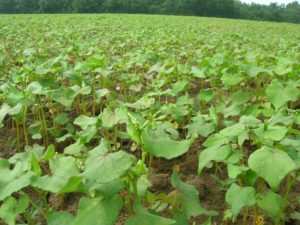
[[144, 156], [24, 127], [44, 124], [245, 216], [287, 193]]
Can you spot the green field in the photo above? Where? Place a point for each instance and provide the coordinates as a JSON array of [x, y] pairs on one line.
[[148, 120]]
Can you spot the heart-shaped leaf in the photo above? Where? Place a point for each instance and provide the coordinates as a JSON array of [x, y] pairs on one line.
[[163, 146], [271, 203], [271, 164], [62, 170], [214, 153], [189, 198], [11, 208], [60, 218], [13, 180], [99, 162], [279, 94], [98, 211], [238, 197]]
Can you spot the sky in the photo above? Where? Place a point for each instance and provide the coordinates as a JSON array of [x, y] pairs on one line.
[[267, 2]]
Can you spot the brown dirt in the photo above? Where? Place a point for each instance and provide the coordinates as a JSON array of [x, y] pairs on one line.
[[6, 146]]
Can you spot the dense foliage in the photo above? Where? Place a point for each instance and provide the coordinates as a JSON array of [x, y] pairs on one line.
[[211, 8], [94, 106]]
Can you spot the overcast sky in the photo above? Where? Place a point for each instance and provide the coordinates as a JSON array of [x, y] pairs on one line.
[[268, 1]]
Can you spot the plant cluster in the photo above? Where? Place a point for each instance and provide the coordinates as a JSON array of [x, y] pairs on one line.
[[90, 102]]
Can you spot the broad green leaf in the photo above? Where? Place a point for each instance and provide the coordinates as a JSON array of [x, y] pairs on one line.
[[282, 69], [64, 96], [13, 180], [216, 140], [84, 121], [62, 170], [179, 217], [74, 184], [278, 94], [214, 153], [109, 118], [162, 146], [3, 112], [50, 153], [34, 165], [82, 90], [100, 94], [142, 216], [271, 203], [241, 97], [74, 149], [16, 110], [63, 138], [82, 67], [96, 61], [271, 164], [12, 208], [229, 79], [233, 110], [184, 100], [275, 133], [62, 118], [179, 86], [239, 197], [142, 103], [133, 128], [36, 88], [234, 130], [234, 171], [196, 72], [60, 218], [88, 134], [199, 127], [100, 161], [107, 189], [98, 211], [291, 141], [253, 71], [205, 95], [250, 121], [189, 198], [295, 216]]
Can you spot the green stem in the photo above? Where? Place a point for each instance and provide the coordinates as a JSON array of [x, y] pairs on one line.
[[28, 219], [43, 196], [44, 124], [245, 216], [18, 136], [287, 193], [94, 96], [150, 161], [24, 127], [144, 156]]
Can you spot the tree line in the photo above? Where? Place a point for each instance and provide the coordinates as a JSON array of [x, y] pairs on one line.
[[209, 8]]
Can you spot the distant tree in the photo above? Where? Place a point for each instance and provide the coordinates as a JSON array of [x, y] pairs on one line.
[[214, 8], [87, 6], [51, 6], [26, 6], [7, 6], [292, 13]]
